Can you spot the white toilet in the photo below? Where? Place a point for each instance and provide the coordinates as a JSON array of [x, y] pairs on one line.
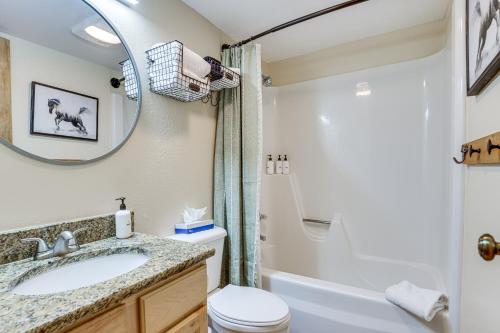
[[237, 309]]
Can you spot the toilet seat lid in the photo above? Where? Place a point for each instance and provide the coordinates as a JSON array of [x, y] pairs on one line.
[[248, 306]]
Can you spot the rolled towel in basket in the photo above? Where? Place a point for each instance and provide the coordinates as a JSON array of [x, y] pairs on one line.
[[193, 64], [163, 79], [424, 303]]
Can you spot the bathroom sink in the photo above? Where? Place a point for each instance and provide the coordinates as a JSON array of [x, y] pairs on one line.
[[80, 274]]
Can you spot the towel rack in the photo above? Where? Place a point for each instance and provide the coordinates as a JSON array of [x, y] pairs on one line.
[[325, 222]]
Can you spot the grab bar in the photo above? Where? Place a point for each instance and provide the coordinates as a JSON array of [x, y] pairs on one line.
[[327, 222]]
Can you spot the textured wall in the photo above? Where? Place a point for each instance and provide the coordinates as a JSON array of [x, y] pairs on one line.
[[166, 164]]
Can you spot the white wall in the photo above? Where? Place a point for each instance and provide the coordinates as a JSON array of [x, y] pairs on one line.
[[63, 71], [166, 164], [389, 48], [377, 163]]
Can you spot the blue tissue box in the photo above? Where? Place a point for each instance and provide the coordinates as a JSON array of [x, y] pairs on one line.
[[190, 229]]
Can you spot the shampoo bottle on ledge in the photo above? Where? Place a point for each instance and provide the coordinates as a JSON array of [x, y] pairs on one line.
[[270, 165], [286, 166], [123, 221], [279, 166]]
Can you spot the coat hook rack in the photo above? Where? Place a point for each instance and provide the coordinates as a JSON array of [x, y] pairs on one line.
[[491, 146], [472, 151]]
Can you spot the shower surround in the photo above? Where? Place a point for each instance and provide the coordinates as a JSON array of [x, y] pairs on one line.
[[370, 151]]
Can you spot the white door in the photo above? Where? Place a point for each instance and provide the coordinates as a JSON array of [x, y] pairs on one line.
[[480, 310]]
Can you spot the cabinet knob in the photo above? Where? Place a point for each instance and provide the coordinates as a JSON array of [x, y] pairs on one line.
[[487, 246]]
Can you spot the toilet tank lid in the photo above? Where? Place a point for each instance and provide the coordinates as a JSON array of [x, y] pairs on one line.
[[201, 237]]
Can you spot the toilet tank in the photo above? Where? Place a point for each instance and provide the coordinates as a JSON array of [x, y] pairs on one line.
[[213, 238]]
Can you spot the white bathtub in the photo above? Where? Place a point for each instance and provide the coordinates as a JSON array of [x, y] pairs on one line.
[[319, 306]]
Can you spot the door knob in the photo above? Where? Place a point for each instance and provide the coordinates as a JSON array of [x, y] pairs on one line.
[[487, 246]]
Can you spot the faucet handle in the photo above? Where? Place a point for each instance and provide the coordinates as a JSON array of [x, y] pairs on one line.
[[72, 241], [42, 245], [75, 233]]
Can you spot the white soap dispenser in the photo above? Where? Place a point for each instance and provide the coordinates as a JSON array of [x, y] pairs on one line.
[[286, 166], [270, 165], [123, 221], [279, 166]]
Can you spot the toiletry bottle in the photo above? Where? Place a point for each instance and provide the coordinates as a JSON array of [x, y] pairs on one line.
[[123, 221], [270, 165], [286, 166], [279, 166]]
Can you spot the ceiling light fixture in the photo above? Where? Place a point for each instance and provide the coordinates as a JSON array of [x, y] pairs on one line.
[[95, 30], [102, 35]]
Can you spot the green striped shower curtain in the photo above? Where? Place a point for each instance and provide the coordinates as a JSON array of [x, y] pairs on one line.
[[237, 175]]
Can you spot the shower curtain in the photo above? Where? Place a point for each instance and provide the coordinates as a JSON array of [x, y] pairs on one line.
[[238, 159]]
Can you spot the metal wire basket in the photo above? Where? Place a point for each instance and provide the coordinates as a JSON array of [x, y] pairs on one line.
[[130, 84], [166, 75], [221, 77]]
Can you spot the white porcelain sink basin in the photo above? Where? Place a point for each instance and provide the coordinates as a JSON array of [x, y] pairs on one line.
[[81, 274]]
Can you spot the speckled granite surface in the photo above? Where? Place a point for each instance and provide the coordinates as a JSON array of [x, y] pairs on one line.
[[97, 227], [51, 313]]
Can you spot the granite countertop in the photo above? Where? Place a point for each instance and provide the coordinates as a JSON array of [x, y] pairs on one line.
[[53, 312]]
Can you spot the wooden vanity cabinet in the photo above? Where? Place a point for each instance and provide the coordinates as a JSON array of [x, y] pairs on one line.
[[176, 305]]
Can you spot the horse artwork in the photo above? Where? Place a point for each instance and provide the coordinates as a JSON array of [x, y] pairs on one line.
[[74, 119], [63, 113], [483, 43]]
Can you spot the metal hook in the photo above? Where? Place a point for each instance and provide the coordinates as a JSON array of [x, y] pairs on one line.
[[464, 150], [491, 146], [473, 151]]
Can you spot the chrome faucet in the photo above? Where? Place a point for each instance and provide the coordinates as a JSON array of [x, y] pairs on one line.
[[64, 244]]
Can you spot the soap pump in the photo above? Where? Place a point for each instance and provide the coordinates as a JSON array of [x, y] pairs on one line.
[[123, 221], [286, 166], [270, 165], [279, 166]]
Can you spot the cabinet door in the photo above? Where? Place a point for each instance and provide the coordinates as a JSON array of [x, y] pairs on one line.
[[197, 322], [113, 321], [162, 308]]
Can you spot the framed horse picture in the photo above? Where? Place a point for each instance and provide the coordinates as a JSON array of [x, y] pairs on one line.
[[62, 113], [483, 43]]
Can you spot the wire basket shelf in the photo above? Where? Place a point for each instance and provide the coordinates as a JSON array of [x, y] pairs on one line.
[[221, 77], [130, 82], [166, 75]]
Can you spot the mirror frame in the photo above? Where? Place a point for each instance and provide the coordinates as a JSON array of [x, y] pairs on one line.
[[139, 107]]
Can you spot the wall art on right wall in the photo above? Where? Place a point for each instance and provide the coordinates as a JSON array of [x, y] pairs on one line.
[[483, 43]]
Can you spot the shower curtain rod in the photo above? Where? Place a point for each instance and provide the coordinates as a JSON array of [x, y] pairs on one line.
[[297, 21]]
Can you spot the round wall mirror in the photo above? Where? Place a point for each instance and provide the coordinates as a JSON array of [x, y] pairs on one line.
[[69, 89]]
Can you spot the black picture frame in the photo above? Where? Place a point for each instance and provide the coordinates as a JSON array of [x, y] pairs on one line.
[[33, 131], [475, 87]]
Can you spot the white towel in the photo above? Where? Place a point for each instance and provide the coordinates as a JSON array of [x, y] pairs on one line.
[[423, 303], [193, 65]]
